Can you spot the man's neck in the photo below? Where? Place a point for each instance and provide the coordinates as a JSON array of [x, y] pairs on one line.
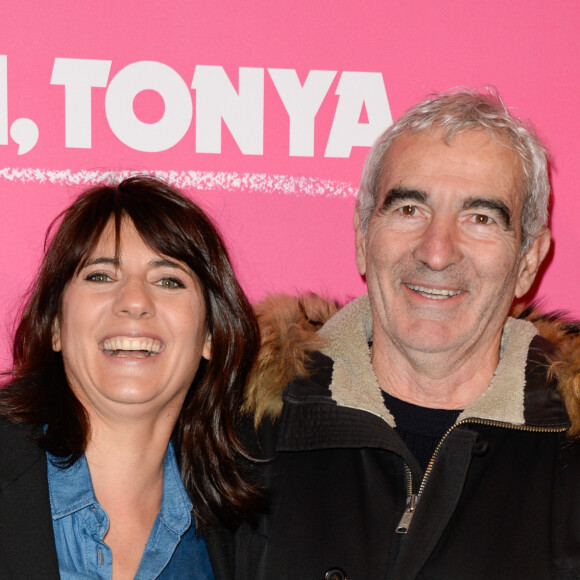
[[434, 380]]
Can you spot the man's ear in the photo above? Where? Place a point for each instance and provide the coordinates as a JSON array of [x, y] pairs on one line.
[[360, 244], [530, 262], [56, 346]]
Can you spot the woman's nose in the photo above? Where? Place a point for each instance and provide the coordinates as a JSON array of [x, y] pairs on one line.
[[134, 299]]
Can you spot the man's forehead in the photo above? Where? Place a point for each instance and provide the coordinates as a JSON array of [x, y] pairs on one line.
[[474, 153], [473, 138]]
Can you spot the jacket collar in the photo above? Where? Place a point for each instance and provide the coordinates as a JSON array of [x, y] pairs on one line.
[[512, 397], [289, 325]]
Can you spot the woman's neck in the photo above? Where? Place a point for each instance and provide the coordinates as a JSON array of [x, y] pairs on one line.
[[126, 466]]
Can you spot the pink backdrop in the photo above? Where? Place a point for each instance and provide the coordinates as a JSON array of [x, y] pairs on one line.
[[263, 112]]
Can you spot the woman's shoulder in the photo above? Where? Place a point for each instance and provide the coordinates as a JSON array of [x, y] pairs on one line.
[[16, 444]]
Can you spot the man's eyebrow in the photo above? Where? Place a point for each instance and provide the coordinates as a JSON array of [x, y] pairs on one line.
[[397, 194], [496, 205]]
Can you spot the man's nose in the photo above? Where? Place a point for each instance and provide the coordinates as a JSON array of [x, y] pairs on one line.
[[438, 246]]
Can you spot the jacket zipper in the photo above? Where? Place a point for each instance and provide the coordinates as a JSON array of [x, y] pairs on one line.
[[413, 498]]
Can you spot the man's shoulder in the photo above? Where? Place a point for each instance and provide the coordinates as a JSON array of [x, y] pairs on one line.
[[553, 369], [290, 351]]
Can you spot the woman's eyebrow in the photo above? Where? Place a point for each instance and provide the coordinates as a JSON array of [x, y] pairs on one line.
[[101, 260], [156, 263], [165, 263]]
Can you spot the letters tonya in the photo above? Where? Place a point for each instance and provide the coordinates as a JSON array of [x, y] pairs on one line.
[[217, 100]]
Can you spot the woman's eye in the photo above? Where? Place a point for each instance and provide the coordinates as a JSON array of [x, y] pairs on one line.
[[98, 277], [171, 283]]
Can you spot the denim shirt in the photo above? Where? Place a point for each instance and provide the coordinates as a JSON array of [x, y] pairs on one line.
[[173, 551]]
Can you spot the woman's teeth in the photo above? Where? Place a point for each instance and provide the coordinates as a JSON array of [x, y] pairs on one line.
[[127, 346]]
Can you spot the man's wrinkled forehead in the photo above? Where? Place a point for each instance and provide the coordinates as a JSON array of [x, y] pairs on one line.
[[409, 139]]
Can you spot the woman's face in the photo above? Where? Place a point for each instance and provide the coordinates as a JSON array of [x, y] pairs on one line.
[[132, 330]]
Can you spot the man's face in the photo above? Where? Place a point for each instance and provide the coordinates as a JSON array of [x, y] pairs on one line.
[[441, 256]]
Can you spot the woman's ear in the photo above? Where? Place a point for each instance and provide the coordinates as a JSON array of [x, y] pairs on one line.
[[206, 352], [56, 346]]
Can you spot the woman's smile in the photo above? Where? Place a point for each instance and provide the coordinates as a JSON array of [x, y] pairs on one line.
[[126, 346]]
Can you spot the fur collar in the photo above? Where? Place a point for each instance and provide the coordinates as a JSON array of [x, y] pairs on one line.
[[290, 328]]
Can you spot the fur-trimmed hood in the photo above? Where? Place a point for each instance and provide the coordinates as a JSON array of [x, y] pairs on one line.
[[290, 331]]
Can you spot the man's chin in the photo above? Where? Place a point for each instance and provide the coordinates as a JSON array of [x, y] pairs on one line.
[[436, 337]]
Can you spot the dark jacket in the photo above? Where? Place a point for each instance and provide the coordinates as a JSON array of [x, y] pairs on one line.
[[501, 499], [27, 547]]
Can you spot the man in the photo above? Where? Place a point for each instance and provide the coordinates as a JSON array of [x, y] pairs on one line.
[[428, 437]]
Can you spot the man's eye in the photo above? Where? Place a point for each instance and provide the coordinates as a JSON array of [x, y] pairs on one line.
[[408, 210], [171, 283], [98, 277], [481, 219]]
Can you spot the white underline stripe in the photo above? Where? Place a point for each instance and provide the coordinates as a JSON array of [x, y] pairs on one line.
[[200, 180]]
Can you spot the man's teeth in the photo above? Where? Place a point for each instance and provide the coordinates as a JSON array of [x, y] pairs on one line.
[[434, 293], [123, 345]]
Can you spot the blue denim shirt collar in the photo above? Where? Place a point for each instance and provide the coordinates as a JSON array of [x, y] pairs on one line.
[[175, 504], [71, 490], [173, 550]]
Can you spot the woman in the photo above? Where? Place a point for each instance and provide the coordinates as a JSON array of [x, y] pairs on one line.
[[129, 361]]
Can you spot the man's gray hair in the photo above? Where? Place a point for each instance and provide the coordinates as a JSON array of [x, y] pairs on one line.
[[456, 112]]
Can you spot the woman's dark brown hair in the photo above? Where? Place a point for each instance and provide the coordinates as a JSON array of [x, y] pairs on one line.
[[208, 449]]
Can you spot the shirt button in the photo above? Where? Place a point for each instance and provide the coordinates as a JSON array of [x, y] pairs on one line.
[[335, 574]]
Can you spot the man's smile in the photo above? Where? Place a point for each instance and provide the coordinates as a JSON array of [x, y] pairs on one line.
[[434, 293]]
